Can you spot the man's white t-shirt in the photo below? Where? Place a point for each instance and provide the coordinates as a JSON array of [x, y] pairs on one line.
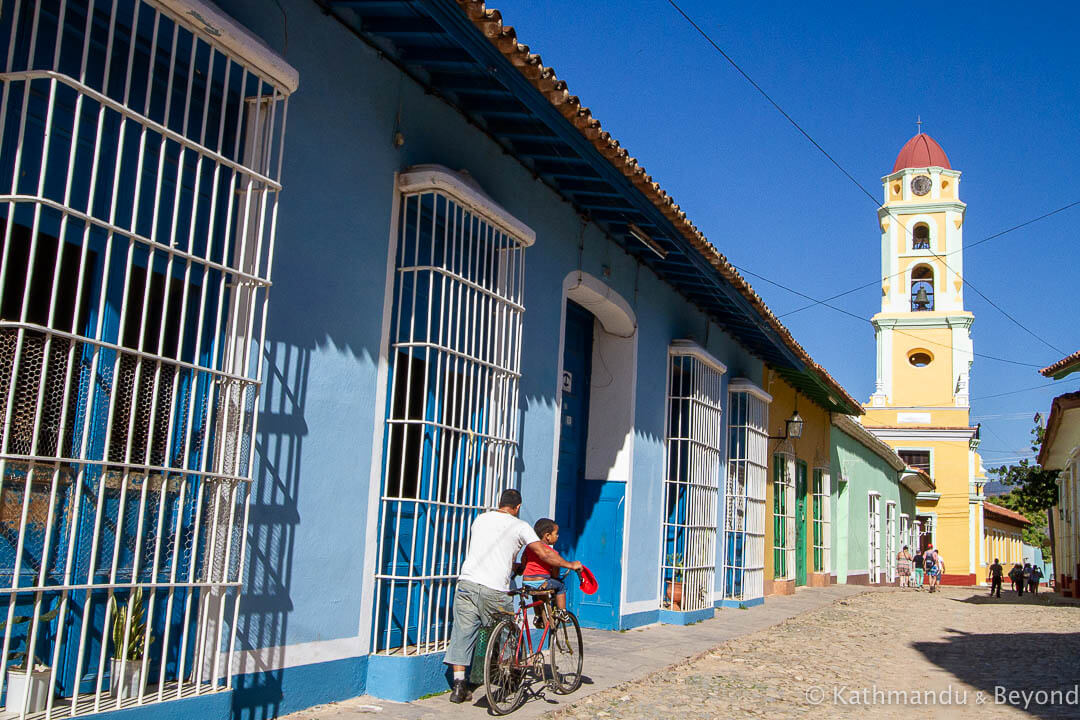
[[495, 541]]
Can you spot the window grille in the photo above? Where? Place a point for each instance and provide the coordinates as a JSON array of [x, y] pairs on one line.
[[744, 494], [695, 463], [451, 425], [890, 541], [905, 532], [822, 521], [874, 535], [140, 157], [784, 513]]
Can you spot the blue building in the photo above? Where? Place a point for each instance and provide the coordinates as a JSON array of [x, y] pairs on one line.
[[290, 292]]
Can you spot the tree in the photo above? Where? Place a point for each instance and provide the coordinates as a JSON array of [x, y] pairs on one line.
[[1034, 491]]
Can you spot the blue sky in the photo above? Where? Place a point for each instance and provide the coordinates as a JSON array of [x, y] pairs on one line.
[[995, 84]]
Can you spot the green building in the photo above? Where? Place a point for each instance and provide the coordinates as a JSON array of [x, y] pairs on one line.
[[875, 504]]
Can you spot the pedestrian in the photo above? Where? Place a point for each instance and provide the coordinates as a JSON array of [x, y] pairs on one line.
[[1033, 583], [1017, 577], [495, 539], [939, 570], [995, 578], [917, 561], [1026, 577], [930, 565], [903, 567]]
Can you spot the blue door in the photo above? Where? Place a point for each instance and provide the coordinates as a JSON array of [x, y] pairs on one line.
[[589, 512], [574, 430]]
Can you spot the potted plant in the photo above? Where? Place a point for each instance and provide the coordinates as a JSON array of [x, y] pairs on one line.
[[27, 687], [675, 584], [128, 656]]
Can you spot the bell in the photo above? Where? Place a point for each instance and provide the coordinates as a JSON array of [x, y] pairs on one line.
[[922, 300]]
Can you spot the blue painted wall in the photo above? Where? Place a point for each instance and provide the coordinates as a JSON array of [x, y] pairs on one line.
[[309, 508]]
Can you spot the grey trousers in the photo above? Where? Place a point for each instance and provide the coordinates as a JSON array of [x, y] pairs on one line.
[[474, 607]]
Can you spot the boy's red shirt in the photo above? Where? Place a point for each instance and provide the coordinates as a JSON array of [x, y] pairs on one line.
[[534, 565]]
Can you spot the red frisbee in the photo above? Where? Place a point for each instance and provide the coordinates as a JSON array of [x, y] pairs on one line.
[[588, 581]]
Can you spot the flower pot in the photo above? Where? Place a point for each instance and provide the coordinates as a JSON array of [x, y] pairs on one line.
[[131, 684], [28, 690], [674, 594]]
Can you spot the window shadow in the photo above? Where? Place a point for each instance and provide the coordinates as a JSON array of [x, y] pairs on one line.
[[1031, 665]]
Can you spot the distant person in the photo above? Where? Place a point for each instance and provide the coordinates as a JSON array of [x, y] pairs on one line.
[[1026, 579], [995, 578], [1017, 577], [932, 567], [903, 567], [917, 562], [939, 570], [1033, 581]]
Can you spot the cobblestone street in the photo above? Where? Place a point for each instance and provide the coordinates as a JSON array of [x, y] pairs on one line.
[[946, 647]]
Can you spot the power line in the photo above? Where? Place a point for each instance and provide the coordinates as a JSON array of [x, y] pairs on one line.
[[1012, 392], [862, 319], [840, 167], [1063, 208]]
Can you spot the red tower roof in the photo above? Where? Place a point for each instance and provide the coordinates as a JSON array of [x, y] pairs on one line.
[[921, 151]]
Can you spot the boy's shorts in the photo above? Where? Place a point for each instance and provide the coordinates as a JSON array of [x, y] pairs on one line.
[[547, 584]]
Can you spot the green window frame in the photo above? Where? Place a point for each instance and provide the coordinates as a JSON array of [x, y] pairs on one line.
[[783, 516]]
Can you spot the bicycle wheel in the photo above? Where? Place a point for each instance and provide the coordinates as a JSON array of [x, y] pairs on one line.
[[565, 652], [504, 674]]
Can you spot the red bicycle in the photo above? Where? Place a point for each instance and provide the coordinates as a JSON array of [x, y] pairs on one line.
[[512, 659]]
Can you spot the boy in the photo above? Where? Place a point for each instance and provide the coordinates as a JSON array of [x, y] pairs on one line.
[[537, 573]]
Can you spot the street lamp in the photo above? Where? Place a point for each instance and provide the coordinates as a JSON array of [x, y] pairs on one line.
[[793, 427]]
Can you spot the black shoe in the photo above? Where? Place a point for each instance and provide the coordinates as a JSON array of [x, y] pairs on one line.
[[460, 692]]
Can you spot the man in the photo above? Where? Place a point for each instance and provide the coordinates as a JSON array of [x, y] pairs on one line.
[[1033, 583], [1017, 577], [995, 578], [495, 539]]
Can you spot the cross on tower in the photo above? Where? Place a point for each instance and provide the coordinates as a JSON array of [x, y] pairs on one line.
[[918, 123]]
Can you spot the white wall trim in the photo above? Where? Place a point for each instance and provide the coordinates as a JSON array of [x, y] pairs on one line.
[[465, 191], [382, 373], [689, 347], [741, 384], [309, 653]]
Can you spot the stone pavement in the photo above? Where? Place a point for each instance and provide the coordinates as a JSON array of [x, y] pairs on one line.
[[611, 658]]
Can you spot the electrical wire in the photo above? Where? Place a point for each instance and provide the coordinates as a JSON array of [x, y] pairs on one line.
[[840, 167], [860, 318]]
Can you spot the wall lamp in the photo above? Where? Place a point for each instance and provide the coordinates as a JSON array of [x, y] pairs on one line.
[[792, 428], [641, 236]]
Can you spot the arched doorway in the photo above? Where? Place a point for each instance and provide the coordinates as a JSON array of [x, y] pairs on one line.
[[595, 441]]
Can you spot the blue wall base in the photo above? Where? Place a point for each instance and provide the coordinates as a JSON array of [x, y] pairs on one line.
[[686, 617], [638, 619], [278, 692], [405, 678], [212, 706], [740, 603]]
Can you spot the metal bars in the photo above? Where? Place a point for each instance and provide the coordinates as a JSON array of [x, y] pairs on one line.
[[451, 425], [139, 176], [890, 542], [695, 463], [744, 496], [784, 512], [822, 520], [873, 533]]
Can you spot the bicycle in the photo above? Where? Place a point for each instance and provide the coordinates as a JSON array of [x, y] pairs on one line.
[[510, 658]]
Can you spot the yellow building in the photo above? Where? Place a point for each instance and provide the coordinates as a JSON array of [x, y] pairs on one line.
[[1003, 535], [920, 404]]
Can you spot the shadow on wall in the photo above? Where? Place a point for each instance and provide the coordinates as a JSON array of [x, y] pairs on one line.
[[274, 517], [1034, 666]]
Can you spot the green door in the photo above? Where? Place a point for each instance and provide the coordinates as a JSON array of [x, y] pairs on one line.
[[800, 523]]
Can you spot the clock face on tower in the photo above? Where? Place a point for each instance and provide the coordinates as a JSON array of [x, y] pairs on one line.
[[920, 185]]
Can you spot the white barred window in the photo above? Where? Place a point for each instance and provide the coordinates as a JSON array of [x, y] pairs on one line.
[[451, 434], [140, 151], [695, 436], [873, 533], [744, 491], [890, 541], [784, 512], [822, 520]]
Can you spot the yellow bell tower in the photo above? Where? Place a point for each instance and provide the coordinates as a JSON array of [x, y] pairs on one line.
[[920, 402]]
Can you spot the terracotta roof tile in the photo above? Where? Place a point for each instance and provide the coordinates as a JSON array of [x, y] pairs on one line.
[[1004, 513], [1062, 364], [504, 37]]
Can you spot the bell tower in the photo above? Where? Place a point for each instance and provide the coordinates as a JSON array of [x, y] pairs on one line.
[[923, 332]]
